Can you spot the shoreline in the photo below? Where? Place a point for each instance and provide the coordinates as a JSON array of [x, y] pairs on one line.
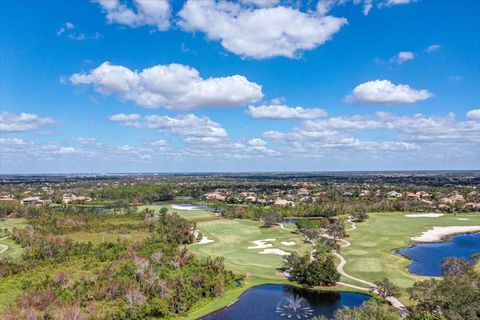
[[441, 234]]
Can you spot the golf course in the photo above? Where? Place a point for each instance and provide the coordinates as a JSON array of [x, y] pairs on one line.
[[371, 254], [235, 241], [197, 214]]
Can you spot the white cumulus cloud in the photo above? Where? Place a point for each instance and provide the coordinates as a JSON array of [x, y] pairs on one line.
[[403, 56], [173, 86], [285, 112], [259, 32], [145, 12], [187, 126], [433, 48], [10, 122], [385, 92], [473, 114]]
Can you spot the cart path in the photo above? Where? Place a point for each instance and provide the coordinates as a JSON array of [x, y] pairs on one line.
[[3, 247]]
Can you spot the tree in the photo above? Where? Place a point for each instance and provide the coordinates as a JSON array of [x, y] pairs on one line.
[[454, 267], [360, 216], [370, 310], [386, 288], [272, 218], [336, 230], [456, 296], [319, 271]]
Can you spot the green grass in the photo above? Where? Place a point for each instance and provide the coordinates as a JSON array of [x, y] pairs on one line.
[[10, 223], [371, 255], [232, 239], [11, 287], [14, 250], [187, 214], [98, 237]]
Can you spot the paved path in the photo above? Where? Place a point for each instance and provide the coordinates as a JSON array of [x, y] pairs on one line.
[[3, 247]]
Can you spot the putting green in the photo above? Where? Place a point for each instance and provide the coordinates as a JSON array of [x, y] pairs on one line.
[[187, 214], [232, 239], [371, 255]]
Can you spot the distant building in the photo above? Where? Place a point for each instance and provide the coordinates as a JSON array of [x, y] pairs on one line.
[[67, 198], [394, 194], [215, 196], [6, 197], [283, 202], [32, 201]]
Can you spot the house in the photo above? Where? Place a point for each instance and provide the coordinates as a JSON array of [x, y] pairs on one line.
[[283, 202], [6, 197], [454, 197], [67, 198], [364, 193], [250, 199], [215, 196], [394, 194], [32, 201], [303, 192]]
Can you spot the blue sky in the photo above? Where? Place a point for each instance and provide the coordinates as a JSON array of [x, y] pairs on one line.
[[251, 85]]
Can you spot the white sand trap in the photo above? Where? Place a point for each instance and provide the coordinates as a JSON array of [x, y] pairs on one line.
[[205, 240], [280, 252], [187, 208], [437, 233], [288, 243], [424, 215], [261, 244], [463, 219]]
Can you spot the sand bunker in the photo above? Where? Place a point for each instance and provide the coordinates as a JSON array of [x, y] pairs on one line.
[[184, 207], [205, 240], [280, 252], [424, 215], [288, 243], [463, 219], [261, 244], [437, 233]]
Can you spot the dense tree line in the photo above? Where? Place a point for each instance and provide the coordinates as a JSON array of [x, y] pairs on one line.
[[142, 193]]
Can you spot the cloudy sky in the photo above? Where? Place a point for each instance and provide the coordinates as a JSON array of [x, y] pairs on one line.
[[248, 85]]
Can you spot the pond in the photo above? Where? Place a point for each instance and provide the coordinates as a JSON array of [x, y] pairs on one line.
[[276, 302], [427, 257], [189, 206]]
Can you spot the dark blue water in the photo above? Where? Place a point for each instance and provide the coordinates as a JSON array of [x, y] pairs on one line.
[[269, 302], [427, 257]]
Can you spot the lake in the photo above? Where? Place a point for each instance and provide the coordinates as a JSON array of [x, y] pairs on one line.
[[427, 257], [276, 302]]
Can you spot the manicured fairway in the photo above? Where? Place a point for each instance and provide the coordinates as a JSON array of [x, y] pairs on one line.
[[187, 214], [14, 250], [371, 255], [232, 239]]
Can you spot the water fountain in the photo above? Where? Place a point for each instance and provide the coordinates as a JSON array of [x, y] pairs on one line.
[[294, 306]]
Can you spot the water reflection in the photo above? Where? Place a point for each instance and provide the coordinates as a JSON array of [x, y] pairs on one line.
[[277, 302]]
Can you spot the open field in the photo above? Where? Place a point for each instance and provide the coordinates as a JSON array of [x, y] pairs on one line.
[[187, 214], [98, 237], [233, 237], [371, 254], [10, 223]]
